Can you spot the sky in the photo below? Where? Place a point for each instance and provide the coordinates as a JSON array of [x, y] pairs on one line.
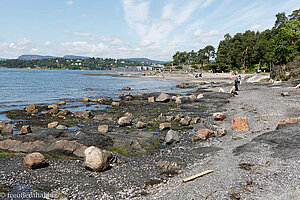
[[154, 29]]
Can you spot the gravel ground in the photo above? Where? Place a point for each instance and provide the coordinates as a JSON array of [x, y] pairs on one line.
[[258, 174]]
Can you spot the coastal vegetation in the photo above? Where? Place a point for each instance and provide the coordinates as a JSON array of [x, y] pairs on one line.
[[73, 64], [250, 50]]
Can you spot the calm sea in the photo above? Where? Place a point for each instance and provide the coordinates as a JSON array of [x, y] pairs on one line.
[[21, 87]]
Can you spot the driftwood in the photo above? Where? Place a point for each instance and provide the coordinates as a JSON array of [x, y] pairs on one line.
[[197, 175]]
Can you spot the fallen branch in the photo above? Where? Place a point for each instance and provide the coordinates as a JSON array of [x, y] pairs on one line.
[[197, 175]]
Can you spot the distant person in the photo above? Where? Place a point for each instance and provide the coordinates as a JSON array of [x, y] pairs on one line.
[[236, 82]]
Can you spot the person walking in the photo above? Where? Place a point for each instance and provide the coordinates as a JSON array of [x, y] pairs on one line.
[[236, 81]]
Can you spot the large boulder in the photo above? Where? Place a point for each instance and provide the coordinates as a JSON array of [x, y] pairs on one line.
[[103, 128], [125, 121], [96, 159], [171, 137], [163, 97], [34, 160], [53, 124]]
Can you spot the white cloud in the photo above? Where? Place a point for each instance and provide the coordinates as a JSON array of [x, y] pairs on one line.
[[69, 2], [206, 3], [201, 33], [123, 48], [81, 48], [112, 40], [34, 50], [47, 43], [255, 27]]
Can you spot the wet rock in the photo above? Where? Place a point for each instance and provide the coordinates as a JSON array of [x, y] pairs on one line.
[[85, 100], [82, 114], [96, 159], [25, 130], [63, 113], [151, 99], [126, 88], [240, 124], [164, 164], [31, 108], [34, 160], [61, 103], [53, 106], [7, 129], [125, 121], [164, 126], [105, 100], [221, 132], [219, 116], [103, 129], [52, 111], [171, 137], [163, 97], [53, 124], [61, 127], [202, 134], [285, 94], [115, 104], [128, 98], [140, 125]]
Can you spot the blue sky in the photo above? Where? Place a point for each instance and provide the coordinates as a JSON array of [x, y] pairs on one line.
[[154, 29]]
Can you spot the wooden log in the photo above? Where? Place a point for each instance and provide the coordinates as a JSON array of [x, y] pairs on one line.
[[197, 175]]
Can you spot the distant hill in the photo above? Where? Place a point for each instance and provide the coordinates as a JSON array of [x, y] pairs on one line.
[[3, 59], [147, 60], [75, 57], [34, 57], [39, 57]]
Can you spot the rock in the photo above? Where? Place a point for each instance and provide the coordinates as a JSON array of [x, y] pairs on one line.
[[195, 120], [164, 126], [126, 88], [96, 159], [163, 97], [161, 118], [7, 129], [183, 99], [115, 104], [140, 125], [200, 96], [285, 94], [128, 98], [61, 127], [31, 108], [181, 86], [193, 97], [105, 100], [171, 137], [170, 118], [240, 124], [63, 113], [103, 129], [297, 86], [221, 132], [164, 164], [125, 121], [219, 116], [53, 106], [2, 124], [53, 124], [82, 114], [34, 160], [151, 99], [177, 118], [52, 111], [61, 103], [25, 129], [121, 96], [202, 134], [85, 100], [184, 122]]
